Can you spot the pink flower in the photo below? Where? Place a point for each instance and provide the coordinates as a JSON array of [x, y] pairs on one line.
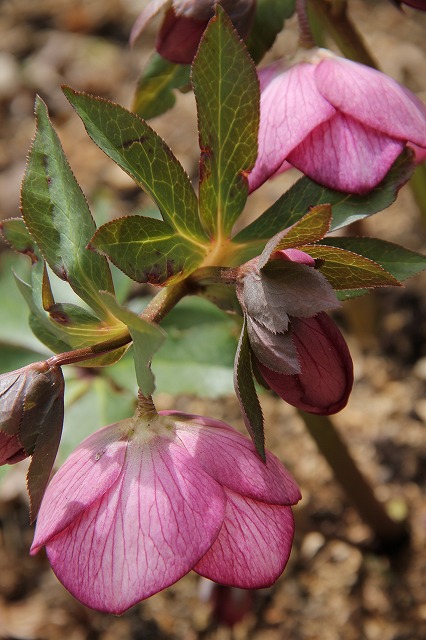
[[297, 348], [185, 22], [343, 124], [142, 502]]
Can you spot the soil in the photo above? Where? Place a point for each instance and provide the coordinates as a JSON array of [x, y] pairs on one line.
[[339, 584]]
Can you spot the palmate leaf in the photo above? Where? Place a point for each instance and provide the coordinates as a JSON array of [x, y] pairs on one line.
[[155, 90], [305, 193], [148, 250], [141, 153], [56, 213], [227, 93]]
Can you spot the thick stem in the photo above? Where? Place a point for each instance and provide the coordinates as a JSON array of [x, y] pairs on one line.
[[390, 533], [146, 407], [155, 311], [334, 19]]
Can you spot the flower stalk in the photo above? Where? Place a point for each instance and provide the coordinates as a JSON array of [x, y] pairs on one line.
[[390, 534], [333, 17]]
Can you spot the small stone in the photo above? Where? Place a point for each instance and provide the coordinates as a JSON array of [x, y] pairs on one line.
[[311, 544]]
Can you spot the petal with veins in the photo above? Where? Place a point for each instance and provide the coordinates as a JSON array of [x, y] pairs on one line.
[[253, 545], [290, 108], [145, 533], [231, 459], [84, 478], [344, 154], [373, 98]]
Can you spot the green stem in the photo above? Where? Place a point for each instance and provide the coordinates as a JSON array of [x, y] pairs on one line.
[[334, 19], [390, 534], [155, 311]]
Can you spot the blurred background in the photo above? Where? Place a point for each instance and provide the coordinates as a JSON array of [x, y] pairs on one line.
[[336, 587]]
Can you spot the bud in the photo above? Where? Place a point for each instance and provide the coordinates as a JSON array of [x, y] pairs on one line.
[[31, 416], [296, 348], [185, 21]]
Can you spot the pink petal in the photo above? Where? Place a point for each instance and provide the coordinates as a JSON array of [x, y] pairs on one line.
[[11, 450], [81, 481], [326, 380], [145, 533], [345, 155], [253, 546], [372, 98], [294, 255], [290, 107], [231, 459]]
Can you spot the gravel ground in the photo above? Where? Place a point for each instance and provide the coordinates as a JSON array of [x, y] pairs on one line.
[[337, 585]]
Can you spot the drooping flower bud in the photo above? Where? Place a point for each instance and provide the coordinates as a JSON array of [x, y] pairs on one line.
[[185, 22], [297, 348], [31, 417]]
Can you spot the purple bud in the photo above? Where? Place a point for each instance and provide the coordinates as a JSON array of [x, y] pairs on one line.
[[325, 381]]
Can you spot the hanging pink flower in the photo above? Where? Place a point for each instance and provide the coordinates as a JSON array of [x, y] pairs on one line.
[[341, 123], [142, 502]]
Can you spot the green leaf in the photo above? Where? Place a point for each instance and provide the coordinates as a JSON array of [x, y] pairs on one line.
[[147, 250], [140, 151], [147, 339], [311, 228], [154, 93], [348, 270], [13, 357], [227, 94], [305, 193], [246, 393], [400, 262], [268, 22], [65, 329], [58, 218], [13, 319], [17, 235]]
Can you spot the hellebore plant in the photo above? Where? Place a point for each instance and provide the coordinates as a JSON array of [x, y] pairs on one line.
[[145, 500]]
